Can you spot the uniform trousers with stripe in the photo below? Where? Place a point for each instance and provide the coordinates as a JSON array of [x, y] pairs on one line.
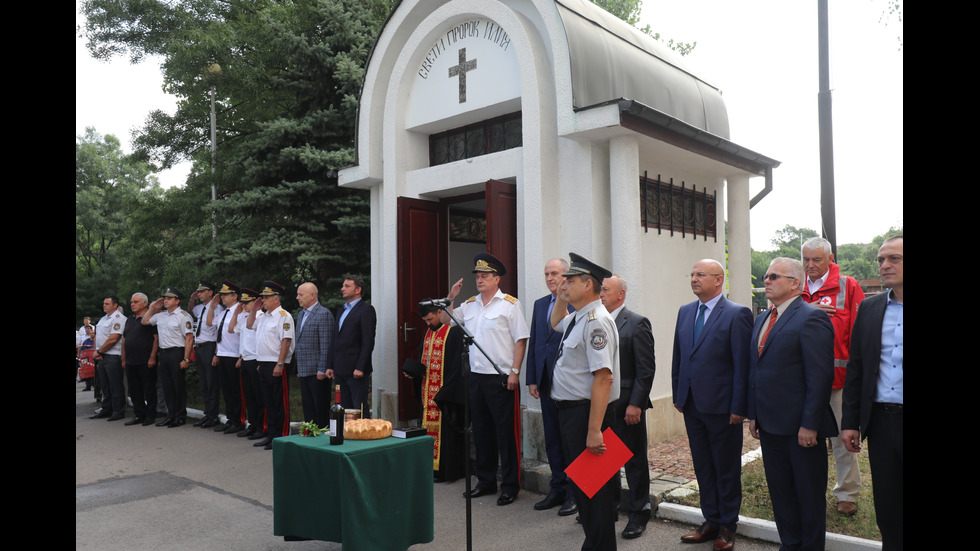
[[231, 387], [275, 395]]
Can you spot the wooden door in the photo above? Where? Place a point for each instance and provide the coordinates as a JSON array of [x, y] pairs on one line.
[[502, 230]]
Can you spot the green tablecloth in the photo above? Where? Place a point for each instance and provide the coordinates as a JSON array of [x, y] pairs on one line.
[[368, 494]]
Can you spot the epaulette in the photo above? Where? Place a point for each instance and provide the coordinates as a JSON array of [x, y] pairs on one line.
[[282, 313], [510, 299], [471, 299], [592, 316]]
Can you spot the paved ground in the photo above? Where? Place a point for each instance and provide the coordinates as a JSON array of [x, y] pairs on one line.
[[188, 488]]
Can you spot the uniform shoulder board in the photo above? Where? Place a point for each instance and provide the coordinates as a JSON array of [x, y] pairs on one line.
[[592, 316], [282, 313], [471, 299], [510, 299]]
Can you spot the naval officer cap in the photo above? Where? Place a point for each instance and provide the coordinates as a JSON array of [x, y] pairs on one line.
[[246, 295], [205, 286], [227, 288], [486, 262], [172, 292], [583, 266], [270, 288]]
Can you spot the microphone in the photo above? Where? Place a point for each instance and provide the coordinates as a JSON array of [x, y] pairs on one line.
[[438, 303]]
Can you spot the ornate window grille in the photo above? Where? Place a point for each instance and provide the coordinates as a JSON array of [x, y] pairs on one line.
[[677, 209], [474, 140]]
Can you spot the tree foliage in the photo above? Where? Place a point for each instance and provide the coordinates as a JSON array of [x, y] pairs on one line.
[[285, 76], [629, 11]]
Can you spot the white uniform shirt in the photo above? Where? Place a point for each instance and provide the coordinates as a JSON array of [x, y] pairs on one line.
[[591, 345], [110, 324], [497, 327], [246, 342], [209, 333], [270, 330], [229, 345], [172, 326]]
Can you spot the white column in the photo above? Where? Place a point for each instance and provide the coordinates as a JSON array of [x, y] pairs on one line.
[[739, 244], [624, 191]]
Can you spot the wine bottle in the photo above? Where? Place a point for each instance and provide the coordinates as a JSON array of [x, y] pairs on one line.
[[337, 421]]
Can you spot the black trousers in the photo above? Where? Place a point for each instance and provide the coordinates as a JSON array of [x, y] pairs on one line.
[[143, 390], [275, 394], [174, 382], [353, 393], [231, 387], [316, 399], [110, 372], [495, 416], [637, 467], [252, 390], [886, 453], [598, 515], [207, 374]]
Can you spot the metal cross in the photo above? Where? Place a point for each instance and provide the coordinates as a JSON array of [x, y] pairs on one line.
[[460, 71]]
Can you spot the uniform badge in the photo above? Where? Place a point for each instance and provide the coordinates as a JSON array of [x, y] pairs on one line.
[[598, 338], [826, 301], [115, 327], [188, 324], [285, 326]]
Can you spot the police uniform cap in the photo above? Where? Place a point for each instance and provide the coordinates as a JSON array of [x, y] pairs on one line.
[[583, 266], [172, 292], [205, 286], [227, 288], [246, 295], [270, 288], [486, 262]]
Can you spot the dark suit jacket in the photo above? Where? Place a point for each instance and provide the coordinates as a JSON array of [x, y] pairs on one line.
[[355, 340], [716, 368], [543, 348], [636, 358], [862, 368], [790, 382], [314, 341]]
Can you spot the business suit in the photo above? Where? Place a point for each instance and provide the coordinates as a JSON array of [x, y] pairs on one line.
[[540, 369], [315, 330], [789, 388], [637, 367], [883, 426], [352, 350], [709, 379]]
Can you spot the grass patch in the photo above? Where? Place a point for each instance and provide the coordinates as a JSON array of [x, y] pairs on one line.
[[756, 502]]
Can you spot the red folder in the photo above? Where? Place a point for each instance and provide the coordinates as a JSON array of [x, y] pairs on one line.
[[590, 471]]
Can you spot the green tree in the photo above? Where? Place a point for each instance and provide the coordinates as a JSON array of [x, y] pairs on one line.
[[286, 77], [109, 188]]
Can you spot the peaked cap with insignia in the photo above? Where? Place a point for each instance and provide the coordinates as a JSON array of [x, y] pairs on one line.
[[271, 288], [486, 262], [227, 288], [172, 292], [205, 286], [246, 295], [583, 266]]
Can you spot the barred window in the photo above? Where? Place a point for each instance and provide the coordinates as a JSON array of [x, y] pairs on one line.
[[677, 209], [474, 140]]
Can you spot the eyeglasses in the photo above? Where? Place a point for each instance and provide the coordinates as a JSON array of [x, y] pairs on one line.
[[774, 277], [702, 275]]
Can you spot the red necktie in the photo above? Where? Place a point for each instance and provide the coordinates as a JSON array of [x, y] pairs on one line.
[[772, 321]]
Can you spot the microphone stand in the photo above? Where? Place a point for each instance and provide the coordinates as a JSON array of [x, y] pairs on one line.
[[468, 429]]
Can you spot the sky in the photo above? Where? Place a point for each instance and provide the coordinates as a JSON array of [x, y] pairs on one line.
[[762, 54]]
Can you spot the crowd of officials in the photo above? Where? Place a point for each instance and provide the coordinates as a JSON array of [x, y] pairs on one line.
[[817, 365]]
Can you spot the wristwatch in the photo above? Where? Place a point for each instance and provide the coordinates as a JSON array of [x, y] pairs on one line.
[[515, 371]]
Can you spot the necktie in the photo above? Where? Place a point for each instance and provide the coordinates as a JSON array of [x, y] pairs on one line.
[[772, 321], [568, 330], [200, 322], [221, 325], [699, 323]]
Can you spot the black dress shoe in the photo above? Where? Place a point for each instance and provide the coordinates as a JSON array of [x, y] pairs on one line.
[[232, 429], [209, 423], [149, 421], [221, 427], [177, 423], [506, 499], [258, 436], [165, 423], [100, 415], [263, 443], [636, 525], [478, 491], [200, 422], [568, 508], [248, 432], [553, 499], [115, 417], [268, 446], [133, 421]]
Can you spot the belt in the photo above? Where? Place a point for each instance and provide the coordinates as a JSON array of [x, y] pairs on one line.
[[887, 407], [563, 404]]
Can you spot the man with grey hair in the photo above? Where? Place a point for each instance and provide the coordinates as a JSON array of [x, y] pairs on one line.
[[541, 351], [790, 375], [839, 296], [139, 358]]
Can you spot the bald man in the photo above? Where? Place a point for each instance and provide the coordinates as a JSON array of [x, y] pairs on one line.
[[315, 331]]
